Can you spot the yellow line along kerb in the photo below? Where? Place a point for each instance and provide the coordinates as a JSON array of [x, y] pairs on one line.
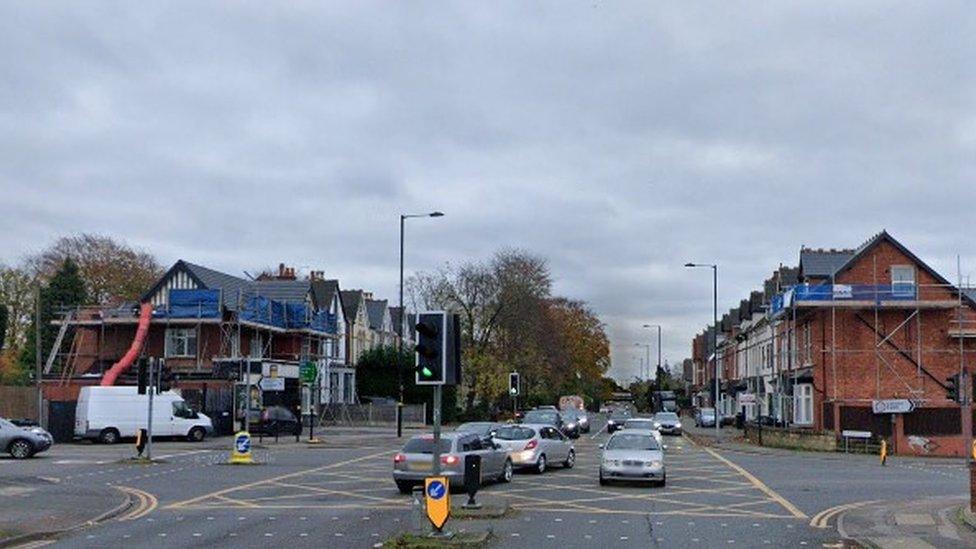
[[822, 519]]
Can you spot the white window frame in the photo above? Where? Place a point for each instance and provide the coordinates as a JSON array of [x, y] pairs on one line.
[[178, 343], [803, 404], [901, 287], [256, 350]]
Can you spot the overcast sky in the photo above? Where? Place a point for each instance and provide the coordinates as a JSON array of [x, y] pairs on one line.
[[617, 139]]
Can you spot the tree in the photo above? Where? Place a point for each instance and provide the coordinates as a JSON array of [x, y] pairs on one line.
[[3, 325], [112, 271], [64, 290], [17, 294]]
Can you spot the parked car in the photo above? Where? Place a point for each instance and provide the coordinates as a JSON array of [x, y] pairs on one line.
[[536, 446], [668, 423], [414, 462], [705, 417], [617, 419], [274, 420], [23, 442], [482, 428], [551, 417], [632, 455], [108, 414], [644, 424], [580, 417]]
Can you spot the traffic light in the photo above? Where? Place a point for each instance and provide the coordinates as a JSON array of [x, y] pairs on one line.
[[143, 372], [438, 349], [165, 377], [513, 383], [952, 389]]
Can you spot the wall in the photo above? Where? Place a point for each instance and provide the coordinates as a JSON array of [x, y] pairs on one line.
[[18, 402], [800, 439]]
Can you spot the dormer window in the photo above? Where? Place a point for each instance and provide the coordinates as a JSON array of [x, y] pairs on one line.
[[902, 281]]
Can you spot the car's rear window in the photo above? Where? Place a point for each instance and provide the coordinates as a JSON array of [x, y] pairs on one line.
[[666, 416], [425, 446], [541, 417], [639, 424], [514, 433]]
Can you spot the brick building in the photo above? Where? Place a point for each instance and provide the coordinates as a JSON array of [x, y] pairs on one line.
[[857, 327]]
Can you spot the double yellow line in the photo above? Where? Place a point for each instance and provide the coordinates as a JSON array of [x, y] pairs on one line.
[[822, 519], [145, 503]]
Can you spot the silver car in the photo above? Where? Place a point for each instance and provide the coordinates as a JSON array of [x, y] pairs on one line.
[[414, 462], [645, 424], [536, 446], [633, 455], [23, 442], [483, 428], [668, 423]]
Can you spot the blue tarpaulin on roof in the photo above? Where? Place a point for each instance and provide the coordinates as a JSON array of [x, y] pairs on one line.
[[287, 316], [190, 304]]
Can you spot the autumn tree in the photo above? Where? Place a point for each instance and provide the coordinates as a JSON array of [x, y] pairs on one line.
[[3, 325], [111, 270], [17, 294]]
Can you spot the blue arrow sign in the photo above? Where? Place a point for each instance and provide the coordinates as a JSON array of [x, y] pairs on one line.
[[243, 444], [436, 489]]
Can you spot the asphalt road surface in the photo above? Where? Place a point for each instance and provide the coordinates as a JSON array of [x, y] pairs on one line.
[[305, 496]]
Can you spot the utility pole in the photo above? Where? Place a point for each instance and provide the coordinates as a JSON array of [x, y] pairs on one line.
[[152, 391], [38, 351], [966, 398]]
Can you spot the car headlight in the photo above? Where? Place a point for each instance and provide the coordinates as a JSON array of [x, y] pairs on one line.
[[654, 464], [612, 462], [657, 425]]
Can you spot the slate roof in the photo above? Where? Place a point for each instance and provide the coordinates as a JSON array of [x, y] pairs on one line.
[[323, 292], [350, 303], [376, 311], [821, 263], [291, 291], [395, 317], [207, 279]]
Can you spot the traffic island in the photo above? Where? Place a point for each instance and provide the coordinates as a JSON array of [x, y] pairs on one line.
[[54, 508], [457, 539], [495, 510]]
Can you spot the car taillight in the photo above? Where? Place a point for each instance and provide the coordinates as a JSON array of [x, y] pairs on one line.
[[532, 444], [399, 458], [449, 460]]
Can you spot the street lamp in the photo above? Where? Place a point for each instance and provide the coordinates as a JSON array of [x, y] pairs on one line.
[[656, 372], [403, 322], [714, 268], [647, 348]]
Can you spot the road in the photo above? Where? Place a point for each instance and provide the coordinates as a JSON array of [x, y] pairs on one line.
[[301, 495]]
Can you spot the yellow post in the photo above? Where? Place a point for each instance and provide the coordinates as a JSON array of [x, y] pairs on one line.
[[974, 450], [241, 454], [884, 451]]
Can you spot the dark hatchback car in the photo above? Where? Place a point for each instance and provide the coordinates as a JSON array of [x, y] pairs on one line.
[[551, 417], [617, 419], [275, 420]]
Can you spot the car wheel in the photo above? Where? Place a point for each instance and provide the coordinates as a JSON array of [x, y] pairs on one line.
[[603, 481], [109, 436], [570, 460], [21, 449], [507, 472], [197, 434], [540, 464], [404, 487]]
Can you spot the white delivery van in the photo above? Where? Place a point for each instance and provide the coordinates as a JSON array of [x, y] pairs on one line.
[[109, 413]]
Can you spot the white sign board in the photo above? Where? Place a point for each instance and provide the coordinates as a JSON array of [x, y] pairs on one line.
[[747, 398], [272, 384], [893, 406], [843, 291], [856, 434]]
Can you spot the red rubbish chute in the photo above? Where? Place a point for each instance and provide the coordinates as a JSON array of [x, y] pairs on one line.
[[145, 315]]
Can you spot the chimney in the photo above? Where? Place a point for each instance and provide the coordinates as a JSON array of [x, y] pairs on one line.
[[285, 273], [368, 295], [316, 275]]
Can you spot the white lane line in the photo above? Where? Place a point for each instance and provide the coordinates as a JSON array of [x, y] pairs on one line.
[[598, 432]]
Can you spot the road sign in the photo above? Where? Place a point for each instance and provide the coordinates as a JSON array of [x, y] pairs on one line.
[[241, 453], [893, 406], [438, 495], [272, 384], [308, 372]]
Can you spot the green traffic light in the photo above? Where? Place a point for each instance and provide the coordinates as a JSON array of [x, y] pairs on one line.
[[426, 372]]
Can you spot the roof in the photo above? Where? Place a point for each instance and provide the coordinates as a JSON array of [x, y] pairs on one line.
[[323, 292], [206, 278], [350, 303], [290, 291], [396, 317], [376, 309], [822, 263]]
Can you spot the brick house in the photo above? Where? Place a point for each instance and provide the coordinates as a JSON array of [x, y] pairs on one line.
[[860, 326]]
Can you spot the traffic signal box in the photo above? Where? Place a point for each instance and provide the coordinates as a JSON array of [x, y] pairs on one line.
[[438, 349]]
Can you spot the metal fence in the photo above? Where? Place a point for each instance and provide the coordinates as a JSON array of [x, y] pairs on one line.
[[414, 415]]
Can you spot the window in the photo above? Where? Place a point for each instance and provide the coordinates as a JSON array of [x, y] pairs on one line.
[[180, 409], [902, 281], [181, 343], [803, 404], [257, 346]]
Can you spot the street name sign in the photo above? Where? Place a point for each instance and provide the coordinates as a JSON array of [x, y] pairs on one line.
[[893, 406], [272, 384]]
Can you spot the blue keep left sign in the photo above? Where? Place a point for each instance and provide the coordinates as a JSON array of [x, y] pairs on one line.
[[436, 489], [243, 444]]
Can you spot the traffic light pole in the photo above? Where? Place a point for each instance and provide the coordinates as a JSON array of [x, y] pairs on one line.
[[152, 391], [437, 430]]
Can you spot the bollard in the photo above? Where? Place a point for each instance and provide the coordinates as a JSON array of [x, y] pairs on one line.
[[884, 451], [472, 480]]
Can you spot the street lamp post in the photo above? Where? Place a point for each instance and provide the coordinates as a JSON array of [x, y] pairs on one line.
[[647, 362], [403, 324], [656, 372], [714, 268]]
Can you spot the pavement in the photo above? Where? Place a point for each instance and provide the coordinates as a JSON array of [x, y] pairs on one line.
[[720, 492], [912, 524]]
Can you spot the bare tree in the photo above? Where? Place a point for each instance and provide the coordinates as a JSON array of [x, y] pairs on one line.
[[17, 294]]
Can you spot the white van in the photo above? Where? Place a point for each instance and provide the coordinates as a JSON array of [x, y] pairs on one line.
[[109, 413]]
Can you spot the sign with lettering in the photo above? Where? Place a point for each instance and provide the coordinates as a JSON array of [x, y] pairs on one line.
[[893, 406]]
